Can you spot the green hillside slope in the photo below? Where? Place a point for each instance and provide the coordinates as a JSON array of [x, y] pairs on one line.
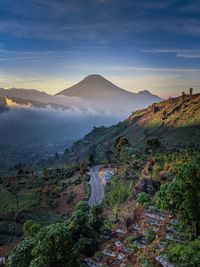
[[175, 122]]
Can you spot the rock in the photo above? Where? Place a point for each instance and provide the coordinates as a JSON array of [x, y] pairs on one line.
[[121, 256], [171, 238], [163, 260], [109, 253], [92, 263], [121, 231], [118, 243]]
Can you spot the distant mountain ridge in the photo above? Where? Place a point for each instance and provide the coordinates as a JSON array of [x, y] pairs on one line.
[[94, 92], [102, 93]]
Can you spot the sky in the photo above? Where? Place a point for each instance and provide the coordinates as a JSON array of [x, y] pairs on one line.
[[139, 45]]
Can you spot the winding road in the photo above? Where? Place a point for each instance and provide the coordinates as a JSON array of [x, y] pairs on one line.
[[97, 192]]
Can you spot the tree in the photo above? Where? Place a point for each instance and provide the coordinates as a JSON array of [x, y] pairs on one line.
[[108, 155], [96, 218], [120, 143], [183, 96], [152, 144], [31, 228], [54, 247], [79, 222], [86, 246], [187, 255], [181, 197], [191, 91], [91, 160], [21, 256], [143, 198]]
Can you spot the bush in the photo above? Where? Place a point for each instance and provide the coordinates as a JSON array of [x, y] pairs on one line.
[[187, 255], [21, 256], [150, 235], [145, 261], [86, 246], [143, 198]]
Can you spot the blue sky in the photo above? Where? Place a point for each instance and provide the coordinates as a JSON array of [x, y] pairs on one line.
[[139, 45]]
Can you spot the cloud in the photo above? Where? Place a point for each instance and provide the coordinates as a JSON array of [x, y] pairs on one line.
[[27, 126], [184, 53], [188, 55]]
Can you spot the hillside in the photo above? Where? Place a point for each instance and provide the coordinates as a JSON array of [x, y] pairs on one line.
[[100, 93], [171, 121]]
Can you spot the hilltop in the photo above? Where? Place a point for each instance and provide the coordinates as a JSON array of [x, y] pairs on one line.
[[171, 121]]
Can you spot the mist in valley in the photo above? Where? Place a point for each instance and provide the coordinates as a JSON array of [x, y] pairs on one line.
[[27, 126]]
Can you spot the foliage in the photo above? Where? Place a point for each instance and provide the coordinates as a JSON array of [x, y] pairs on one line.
[[31, 228], [21, 256], [143, 198], [96, 218], [150, 235], [86, 246], [78, 224], [54, 246], [145, 261], [116, 211], [25, 201], [152, 144], [121, 143], [182, 196], [118, 191], [187, 255], [91, 160], [59, 244]]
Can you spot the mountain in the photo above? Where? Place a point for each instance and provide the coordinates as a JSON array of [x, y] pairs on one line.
[[94, 93], [40, 99], [171, 121], [100, 93]]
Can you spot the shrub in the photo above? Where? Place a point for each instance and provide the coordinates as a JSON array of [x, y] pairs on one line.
[[150, 235], [187, 255], [143, 198], [21, 256]]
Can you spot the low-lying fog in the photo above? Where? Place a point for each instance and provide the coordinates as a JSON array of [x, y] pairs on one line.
[[25, 125]]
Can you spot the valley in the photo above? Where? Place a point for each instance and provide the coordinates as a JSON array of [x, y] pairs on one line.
[[128, 219]]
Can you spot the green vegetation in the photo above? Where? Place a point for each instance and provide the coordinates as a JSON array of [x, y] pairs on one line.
[[143, 198], [187, 255], [150, 235], [118, 191], [181, 197], [145, 261], [22, 256], [9, 202], [60, 244], [153, 150], [171, 122]]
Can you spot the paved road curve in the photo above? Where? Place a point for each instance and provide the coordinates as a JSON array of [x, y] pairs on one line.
[[97, 192]]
